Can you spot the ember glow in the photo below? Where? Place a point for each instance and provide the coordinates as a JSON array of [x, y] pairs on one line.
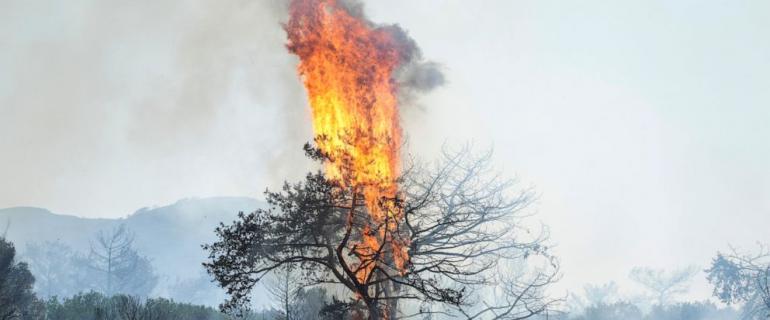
[[348, 65]]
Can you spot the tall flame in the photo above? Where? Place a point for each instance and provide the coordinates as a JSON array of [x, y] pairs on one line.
[[348, 66]]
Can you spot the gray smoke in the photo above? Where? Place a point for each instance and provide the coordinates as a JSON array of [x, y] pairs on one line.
[[114, 105], [120, 105], [417, 75]]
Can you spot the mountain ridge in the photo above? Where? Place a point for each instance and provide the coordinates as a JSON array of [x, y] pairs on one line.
[[170, 235]]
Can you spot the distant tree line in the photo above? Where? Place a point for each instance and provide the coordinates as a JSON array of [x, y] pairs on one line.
[[19, 302], [677, 311], [739, 280], [111, 266], [96, 306]]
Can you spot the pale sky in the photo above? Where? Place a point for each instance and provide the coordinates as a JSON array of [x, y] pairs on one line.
[[644, 125]]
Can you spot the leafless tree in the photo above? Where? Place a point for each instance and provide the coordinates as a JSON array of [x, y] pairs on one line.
[[16, 295], [664, 285], [283, 287], [122, 269], [294, 302], [517, 297], [461, 223], [468, 229]]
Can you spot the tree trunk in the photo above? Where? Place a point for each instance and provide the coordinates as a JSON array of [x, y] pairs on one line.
[[392, 303], [287, 294], [374, 311]]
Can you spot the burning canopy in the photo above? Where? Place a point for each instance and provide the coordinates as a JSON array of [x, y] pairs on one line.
[[438, 239], [349, 67]]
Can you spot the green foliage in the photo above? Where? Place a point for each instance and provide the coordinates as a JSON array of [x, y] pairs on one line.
[[17, 300], [691, 311], [95, 306], [678, 311], [613, 311]]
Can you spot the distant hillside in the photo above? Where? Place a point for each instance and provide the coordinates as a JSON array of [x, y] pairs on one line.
[[170, 235]]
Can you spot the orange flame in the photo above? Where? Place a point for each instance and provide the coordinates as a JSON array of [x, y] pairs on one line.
[[347, 66]]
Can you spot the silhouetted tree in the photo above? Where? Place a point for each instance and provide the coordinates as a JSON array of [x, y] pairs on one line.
[[462, 222], [743, 278], [292, 301], [121, 269], [283, 287], [664, 285], [17, 300]]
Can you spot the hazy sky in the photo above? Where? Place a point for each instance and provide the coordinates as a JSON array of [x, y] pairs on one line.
[[644, 125]]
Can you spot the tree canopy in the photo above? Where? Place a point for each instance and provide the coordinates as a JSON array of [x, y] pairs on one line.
[[463, 222]]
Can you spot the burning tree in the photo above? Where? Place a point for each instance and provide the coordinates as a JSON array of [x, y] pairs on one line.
[[460, 221], [385, 234]]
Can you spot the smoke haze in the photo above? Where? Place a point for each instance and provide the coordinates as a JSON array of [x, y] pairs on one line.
[[105, 107], [643, 126]]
